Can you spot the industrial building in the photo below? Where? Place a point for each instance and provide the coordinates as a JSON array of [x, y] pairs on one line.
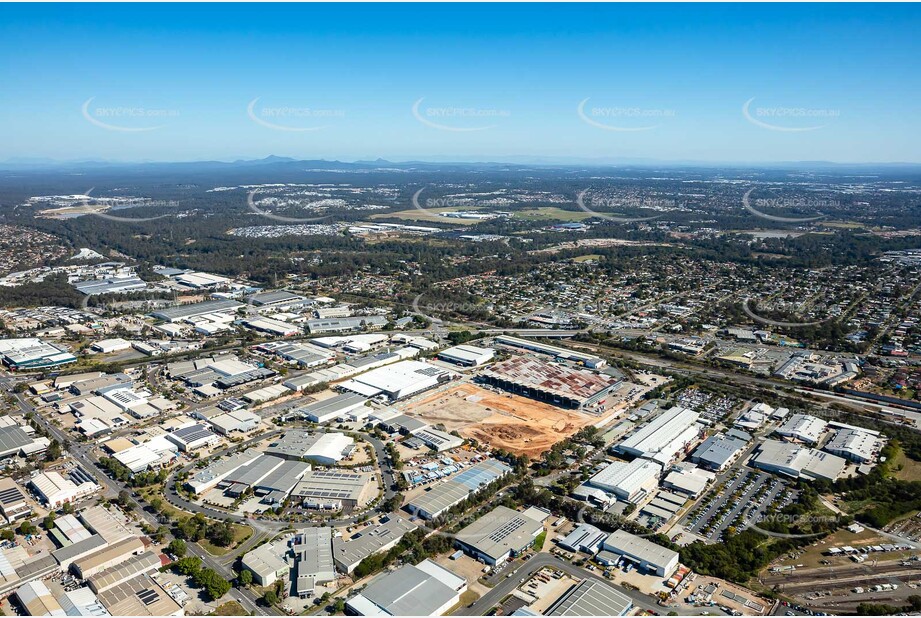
[[646, 554], [108, 346], [115, 285], [797, 461], [688, 480], [557, 384], [271, 326], [321, 448], [278, 299], [399, 380], [268, 563], [343, 325], [55, 490], [192, 310], [37, 600], [237, 421], [13, 503], [426, 589], [718, 452], [13, 439], [446, 494], [375, 539], [193, 437], [109, 556], [467, 355], [591, 597], [313, 560], [153, 454], [304, 355], [854, 444], [266, 476], [438, 440], [140, 596], [664, 438], [139, 564], [589, 360], [802, 428], [499, 535], [334, 489], [106, 524], [215, 472], [82, 602], [28, 354], [630, 482], [330, 409], [584, 538]]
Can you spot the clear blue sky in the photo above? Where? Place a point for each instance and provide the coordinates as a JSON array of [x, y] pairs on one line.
[[515, 73]]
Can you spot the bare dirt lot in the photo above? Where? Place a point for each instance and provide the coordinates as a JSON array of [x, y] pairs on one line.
[[516, 424]]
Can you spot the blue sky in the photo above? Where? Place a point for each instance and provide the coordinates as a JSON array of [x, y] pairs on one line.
[[658, 81]]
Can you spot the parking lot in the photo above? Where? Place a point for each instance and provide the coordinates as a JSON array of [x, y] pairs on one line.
[[743, 500]]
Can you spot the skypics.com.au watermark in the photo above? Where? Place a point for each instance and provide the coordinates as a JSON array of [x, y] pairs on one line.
[[624, 119], [592, 204], [458, 119], [793, 520], [126, 119], [251, 204], [86, 206], [291, 119], [798, 203], [788, 119]]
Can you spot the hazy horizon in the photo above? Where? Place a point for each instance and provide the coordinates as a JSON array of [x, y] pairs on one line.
[[723, 84]]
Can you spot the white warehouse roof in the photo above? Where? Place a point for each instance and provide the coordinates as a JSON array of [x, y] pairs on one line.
[[663, 437]]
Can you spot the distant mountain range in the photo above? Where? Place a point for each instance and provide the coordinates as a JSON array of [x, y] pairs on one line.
[[36, 164]]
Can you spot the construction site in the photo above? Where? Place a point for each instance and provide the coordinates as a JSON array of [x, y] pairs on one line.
[[510, 422]]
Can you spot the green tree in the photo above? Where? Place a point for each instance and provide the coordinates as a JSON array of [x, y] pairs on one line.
[[270, 598], [245, 578], [177, 547], [27, 527]]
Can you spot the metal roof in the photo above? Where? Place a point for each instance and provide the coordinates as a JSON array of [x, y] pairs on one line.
[[591, 597]]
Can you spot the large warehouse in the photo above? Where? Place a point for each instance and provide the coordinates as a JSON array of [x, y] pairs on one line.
[[426, 589], [399, 380], [631, 481], [803, 428], [215, 472], [467, 355], [33, 353], [321, 448], [268, 563], [663, 438], [797, 461], [589, 360], [591, 597], [446, 494], [184, 312], [348, 553], [499, 535], [646, 554], [332, 408], [193, 437], [556, 384], [718, 451], [334, 489]]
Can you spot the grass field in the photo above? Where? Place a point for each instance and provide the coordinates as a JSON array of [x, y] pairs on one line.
[[586, 258], [426, 215], [551, 213], [241, 532], [230, 608], [905, 469]]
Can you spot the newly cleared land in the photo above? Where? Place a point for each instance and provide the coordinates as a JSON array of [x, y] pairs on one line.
[[516, 424]]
